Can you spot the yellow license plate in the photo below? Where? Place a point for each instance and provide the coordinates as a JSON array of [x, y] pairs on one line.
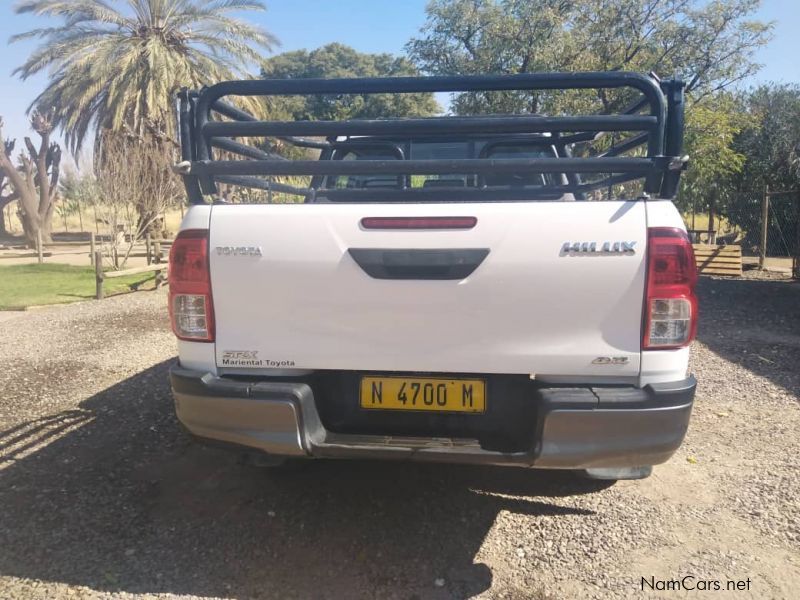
[[423, 393]]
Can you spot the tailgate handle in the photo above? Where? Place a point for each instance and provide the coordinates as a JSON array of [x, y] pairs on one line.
[[391, 263]]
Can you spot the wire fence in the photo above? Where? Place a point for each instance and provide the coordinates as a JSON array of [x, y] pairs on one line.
[[777, 239], [766, 227], [783, 226]]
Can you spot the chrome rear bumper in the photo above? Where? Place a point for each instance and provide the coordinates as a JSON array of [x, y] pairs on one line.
[[579, 428]]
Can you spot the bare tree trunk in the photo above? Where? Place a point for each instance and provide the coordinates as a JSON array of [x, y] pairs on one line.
[[35, 184], [6, 195], [46, 224]]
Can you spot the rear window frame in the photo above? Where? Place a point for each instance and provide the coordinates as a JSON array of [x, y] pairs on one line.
[[402, 149]]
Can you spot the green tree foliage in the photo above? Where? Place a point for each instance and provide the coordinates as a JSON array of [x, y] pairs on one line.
[[771, 144], [338, 60], [116, 65], [772, 141], [708, 44], [81, 192], [80, 188], [711, 128]]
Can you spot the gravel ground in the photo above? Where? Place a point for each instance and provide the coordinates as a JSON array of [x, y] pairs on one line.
[[103, 496]]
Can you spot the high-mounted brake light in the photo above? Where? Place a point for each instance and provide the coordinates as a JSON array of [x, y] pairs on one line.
[[418, 222], [191, 309], [671, 304]]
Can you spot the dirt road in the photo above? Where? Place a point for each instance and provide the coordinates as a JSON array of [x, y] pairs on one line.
[[103, 495]]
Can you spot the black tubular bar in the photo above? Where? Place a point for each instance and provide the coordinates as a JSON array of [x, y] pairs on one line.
[[648, 86], [503, 193], [654, 119], [243, 149], [640, 166], [584, 136], [630, 109], [236, 114], [186, 124], [232, 112], [587, 136], [263, 184], [371, 144], [625, 145], [304, 143], [674, 134], [634, 107], [430, 126]]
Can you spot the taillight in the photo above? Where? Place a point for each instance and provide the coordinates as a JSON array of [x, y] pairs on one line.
[[190, 306], [671, 303]]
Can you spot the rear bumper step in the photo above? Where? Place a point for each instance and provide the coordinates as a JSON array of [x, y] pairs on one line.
[[578, 428]]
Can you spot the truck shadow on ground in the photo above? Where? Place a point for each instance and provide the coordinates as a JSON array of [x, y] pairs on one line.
[[114, 496], [755, 324]]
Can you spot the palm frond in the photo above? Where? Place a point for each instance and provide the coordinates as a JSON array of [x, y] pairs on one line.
[[117, 65]]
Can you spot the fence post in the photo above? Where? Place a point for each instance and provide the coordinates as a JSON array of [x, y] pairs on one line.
[[39, 252], [92, 248], [157, 252], [712, 205], [98, 275], [147, 249], [762, 251]]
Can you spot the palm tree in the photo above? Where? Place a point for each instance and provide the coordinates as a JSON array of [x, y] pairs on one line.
[[117, 64]]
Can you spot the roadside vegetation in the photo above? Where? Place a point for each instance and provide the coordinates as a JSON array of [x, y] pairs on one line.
[[739, 140], [22, 286], [113, 68]]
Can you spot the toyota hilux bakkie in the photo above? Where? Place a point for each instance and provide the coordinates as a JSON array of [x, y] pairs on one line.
[[498, 289]]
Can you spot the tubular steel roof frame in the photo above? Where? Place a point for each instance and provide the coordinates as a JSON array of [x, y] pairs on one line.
[[660, 130]]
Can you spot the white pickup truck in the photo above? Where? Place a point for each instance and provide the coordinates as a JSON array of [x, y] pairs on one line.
[[463, 289]]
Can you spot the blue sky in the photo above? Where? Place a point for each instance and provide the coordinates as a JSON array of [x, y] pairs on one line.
[[366, 25]]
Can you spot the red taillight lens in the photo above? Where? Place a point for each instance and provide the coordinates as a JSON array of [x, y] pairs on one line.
[[671, 303], [191, 308]]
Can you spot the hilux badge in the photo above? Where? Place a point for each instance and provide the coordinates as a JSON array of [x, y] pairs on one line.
[[582, 248]]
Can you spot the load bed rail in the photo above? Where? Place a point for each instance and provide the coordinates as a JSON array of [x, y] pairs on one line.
[[650, 127]]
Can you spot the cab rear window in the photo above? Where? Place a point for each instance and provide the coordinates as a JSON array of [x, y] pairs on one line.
[[437, 150]]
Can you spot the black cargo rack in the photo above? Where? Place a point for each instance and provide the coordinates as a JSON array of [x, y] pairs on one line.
[[653, 121]]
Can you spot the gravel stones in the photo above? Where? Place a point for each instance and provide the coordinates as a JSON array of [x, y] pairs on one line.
[[103, 495]]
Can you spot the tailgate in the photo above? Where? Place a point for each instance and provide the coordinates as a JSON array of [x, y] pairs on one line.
[[289, 292]]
